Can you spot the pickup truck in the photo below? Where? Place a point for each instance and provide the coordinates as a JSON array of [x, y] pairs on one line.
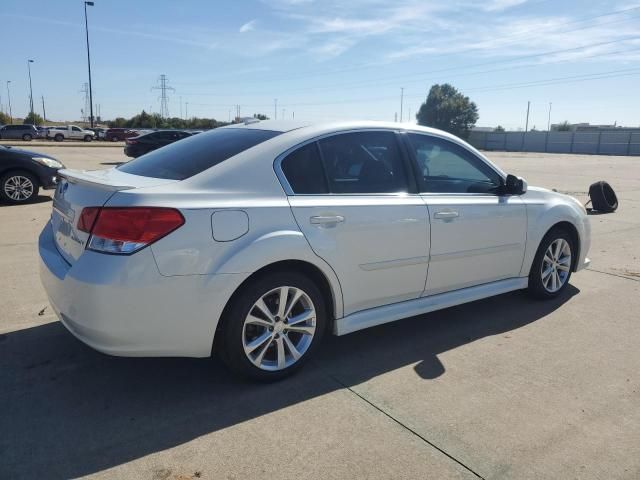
[[70, 132]]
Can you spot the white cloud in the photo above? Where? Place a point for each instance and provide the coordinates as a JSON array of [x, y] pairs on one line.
[[247, 27], [498, 5]]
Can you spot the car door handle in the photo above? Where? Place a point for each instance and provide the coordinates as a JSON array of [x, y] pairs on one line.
[[446, 214], [326, 219]]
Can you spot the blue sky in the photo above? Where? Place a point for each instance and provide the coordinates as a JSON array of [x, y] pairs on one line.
[[329, 59]]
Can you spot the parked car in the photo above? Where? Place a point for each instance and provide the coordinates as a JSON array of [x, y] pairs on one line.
[[119, 134], [100, 133], [22, 173], [70, 132], [136, 146], [253, 241], [24, 132]]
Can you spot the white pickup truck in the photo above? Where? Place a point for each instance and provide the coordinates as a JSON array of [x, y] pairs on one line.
[[70, 132]]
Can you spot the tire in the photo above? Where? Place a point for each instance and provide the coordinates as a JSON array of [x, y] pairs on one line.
[[114, 139], [27, 138], [18, 187], [59, 137], [550, 274], [88, 138], [603, 198], [272, 358]]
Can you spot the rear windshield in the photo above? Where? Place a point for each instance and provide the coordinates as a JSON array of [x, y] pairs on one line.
[[196, 154]]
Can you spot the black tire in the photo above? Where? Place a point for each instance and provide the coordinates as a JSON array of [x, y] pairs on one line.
[[27, 137], [536, 287], [603, 198], [230, 341], [114, 139], [59, 137], [88, 138], [5, 191]]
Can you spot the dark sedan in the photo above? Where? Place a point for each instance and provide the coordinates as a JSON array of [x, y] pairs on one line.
[[136, 146], [22, 173]]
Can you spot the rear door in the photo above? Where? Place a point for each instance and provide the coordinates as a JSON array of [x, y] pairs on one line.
[[351, 197], [477, 235]]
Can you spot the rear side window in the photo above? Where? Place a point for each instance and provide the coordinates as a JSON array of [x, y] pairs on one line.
[[196, 154], [363, 162], [304, 172]]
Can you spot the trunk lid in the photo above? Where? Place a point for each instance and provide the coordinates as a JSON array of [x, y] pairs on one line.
[[79, 189]]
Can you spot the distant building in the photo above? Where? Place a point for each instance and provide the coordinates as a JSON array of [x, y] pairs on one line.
[[587, 127]]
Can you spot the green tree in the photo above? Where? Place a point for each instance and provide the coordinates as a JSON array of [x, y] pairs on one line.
[[4, 119], [449, 110], [119, 122], [499, 129], [260, 116], [563, 127], [34, 119]]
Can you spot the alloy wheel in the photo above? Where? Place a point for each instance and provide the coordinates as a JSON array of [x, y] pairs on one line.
[[556, 265], [18, 188], [279, 328]]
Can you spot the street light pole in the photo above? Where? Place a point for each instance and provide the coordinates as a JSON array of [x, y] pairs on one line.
[[9, 98], [86, 26], [549, 119], [29, 62]]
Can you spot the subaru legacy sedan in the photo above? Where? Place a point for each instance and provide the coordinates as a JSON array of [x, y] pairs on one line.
[[254, 241]]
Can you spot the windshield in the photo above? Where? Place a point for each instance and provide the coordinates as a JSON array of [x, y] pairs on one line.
[[195, 154]]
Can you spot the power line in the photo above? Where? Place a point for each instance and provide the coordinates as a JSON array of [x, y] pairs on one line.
[[163, 87]]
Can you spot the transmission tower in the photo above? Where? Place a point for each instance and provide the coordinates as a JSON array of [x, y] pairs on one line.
[[85, 90], [163, 87]]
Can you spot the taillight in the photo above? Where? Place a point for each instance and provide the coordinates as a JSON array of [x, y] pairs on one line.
[[127, 229], [130, 141]]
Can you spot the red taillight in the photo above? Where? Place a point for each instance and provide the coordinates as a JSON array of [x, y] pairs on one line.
[[127, 229], [130, 141]]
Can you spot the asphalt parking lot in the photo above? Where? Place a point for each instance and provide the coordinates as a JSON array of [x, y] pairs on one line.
[[501, 388]]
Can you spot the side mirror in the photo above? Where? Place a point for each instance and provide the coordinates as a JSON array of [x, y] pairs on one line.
[[515, 185]]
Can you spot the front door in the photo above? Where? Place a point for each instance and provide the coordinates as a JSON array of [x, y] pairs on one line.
[[350, 197], [477, 235]]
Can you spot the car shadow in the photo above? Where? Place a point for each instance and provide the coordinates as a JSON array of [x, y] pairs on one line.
[[38, 199], [117, 164], [68, 411]]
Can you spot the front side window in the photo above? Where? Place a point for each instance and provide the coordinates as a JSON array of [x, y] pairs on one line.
[[363, 162], [445, 167], [76, 129]]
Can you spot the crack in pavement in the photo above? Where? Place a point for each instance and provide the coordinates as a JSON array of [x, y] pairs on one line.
[[406, 427], [619, 275]]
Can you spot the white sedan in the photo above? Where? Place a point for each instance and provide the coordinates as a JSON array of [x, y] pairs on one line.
[[254, 240]]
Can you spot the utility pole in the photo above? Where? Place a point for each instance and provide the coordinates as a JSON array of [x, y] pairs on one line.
[[293, 115], [549, 119], [526, 125], [86, 27], [275, 108], [29, 62], [229, 115], [163, 87], [409, 115], [186, 110], [401, 102], [181, 107], [283, 110], [9, 99], [44, 112], [87, 101], [395, 117]]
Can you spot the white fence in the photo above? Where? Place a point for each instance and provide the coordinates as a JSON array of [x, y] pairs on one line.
[[597, 143]]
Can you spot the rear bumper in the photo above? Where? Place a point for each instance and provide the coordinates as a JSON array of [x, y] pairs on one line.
[[121, 305]]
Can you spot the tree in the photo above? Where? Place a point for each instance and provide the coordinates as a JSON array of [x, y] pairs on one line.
[[449, 110], [499, 129], [33, 120], [563, 127], [4, 119], [260, 116]]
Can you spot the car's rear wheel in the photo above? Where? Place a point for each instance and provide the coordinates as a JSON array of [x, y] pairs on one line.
[[18, 187], [272, 326], [114, 139], [59, 137], [551, 268], [26, 137]]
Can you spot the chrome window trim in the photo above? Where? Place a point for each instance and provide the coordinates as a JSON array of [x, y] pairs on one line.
[[277, 165]]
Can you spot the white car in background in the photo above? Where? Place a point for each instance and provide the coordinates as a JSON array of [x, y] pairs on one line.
[[70, 132], [254, 240]]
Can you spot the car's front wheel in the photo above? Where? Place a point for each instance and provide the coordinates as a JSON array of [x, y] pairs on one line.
[[88, 138], [59, 137], [272, 326], [27, 137], [551, 268], [18, 187]]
